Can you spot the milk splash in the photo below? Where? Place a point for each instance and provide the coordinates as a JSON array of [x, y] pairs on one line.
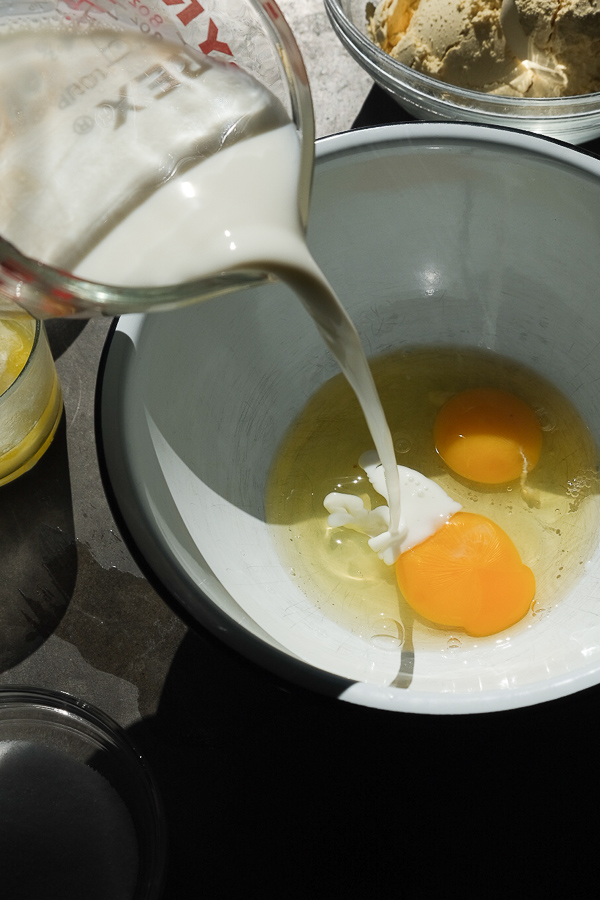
[[425, 508]]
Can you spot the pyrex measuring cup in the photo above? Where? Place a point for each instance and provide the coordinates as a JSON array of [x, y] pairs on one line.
[[103, 102]]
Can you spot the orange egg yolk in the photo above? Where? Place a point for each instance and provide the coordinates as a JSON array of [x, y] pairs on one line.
[[488, 435], [468, 574]]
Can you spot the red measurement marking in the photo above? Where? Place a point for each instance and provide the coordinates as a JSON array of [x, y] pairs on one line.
[[190, 13], [271, 10], [211, 43], [61, 294]]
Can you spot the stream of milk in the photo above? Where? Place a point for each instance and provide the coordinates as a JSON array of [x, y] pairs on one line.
[[241, 208], [138, 163]]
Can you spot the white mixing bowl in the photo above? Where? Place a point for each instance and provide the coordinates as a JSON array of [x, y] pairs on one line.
[[431, 234]]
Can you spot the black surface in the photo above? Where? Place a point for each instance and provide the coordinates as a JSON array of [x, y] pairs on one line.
[[381, 109]]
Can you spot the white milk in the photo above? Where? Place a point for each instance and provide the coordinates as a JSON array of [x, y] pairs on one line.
[[134, 162], [238, 210], [93, 121]]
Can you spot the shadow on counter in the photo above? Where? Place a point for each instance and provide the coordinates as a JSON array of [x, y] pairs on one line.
[[271, 788], [37, 540]]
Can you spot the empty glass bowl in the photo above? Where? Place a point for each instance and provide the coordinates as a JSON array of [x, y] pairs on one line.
[[81, 816]]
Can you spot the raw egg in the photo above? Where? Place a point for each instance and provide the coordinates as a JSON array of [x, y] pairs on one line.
[[468, 574], [488, 435]]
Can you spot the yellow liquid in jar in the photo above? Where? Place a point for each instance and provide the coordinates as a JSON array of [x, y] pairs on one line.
[[553, 518], [31, 411], [16, 341]]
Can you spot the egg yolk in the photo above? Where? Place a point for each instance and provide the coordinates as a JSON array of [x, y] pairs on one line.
[[488, 435], [468, 574]]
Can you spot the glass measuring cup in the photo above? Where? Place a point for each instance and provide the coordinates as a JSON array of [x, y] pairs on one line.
[[93, 118]]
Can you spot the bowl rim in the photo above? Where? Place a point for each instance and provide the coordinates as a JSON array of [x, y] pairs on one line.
[[180, 592]]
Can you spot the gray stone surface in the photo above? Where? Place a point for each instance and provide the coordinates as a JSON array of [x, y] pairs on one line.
[[338, 84]]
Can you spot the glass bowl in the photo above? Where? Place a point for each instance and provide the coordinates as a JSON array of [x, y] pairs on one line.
[[573, 119], [81, 815]]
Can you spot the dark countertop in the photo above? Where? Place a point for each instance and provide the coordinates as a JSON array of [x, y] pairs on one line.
[[268, 787]]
